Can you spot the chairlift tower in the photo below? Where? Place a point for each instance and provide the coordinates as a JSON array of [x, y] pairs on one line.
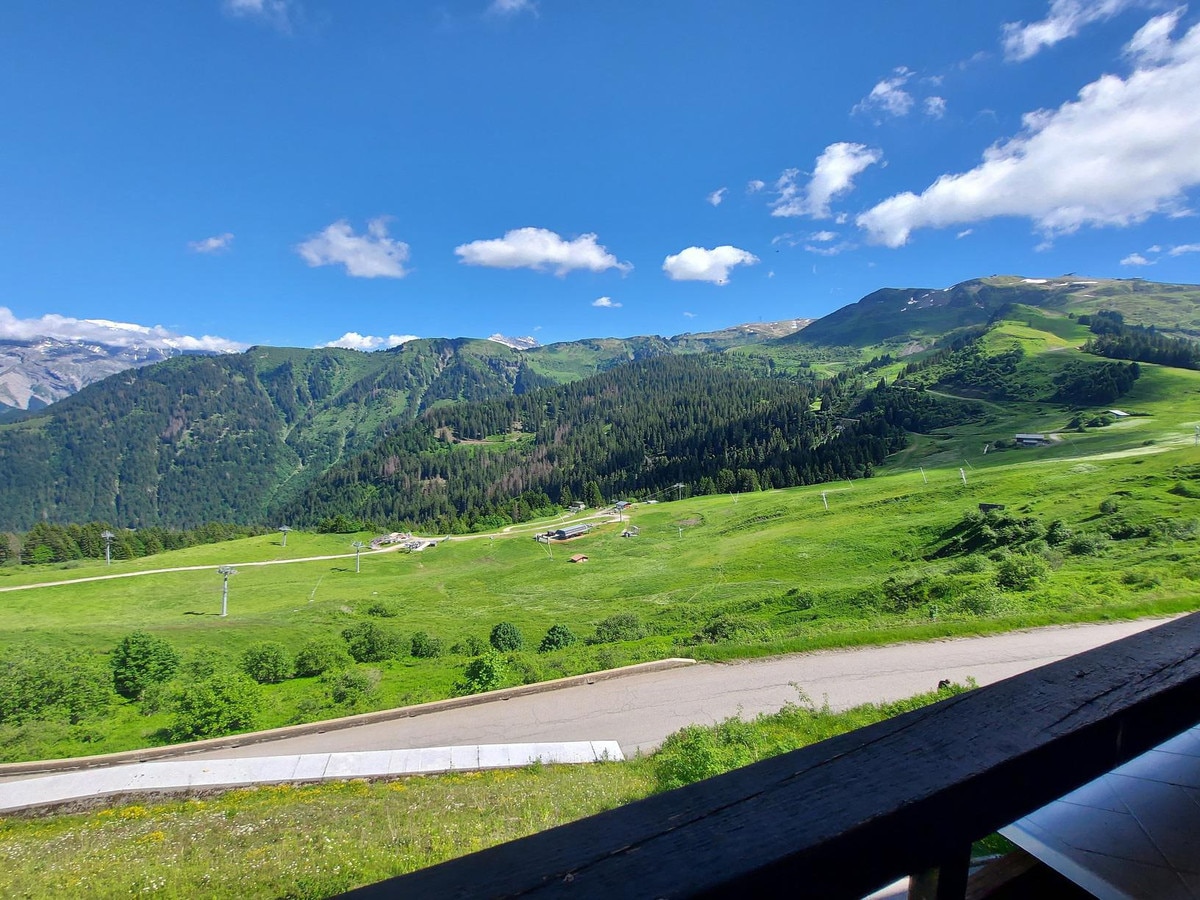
[[225, 572], [108, 539], [358, 546], [283, 529]]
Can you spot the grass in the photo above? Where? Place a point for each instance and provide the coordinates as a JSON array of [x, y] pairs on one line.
[[710, 577], [317, 840]]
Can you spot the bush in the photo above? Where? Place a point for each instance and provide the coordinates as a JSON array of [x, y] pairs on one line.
[[483, 673], [469, 646], [52, 685], [1020, 572], [1109, 505], [1087, 544], [370, 643], [321, 655], [969, 565], [506, 637], [353, 685], [139, 660], [558, 637], [382, 610], [726, 628], [267, 663], [213, 706], [621, 627], [425, 647]]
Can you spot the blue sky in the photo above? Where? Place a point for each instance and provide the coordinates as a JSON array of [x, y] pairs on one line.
[[297, 172]]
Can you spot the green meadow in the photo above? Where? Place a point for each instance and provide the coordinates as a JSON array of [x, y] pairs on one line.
[[708, 577]]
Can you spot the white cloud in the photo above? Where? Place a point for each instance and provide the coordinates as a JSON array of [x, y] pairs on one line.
[[829, 249], [214, 244], [1136, 259], [1124, 150], [700, 264], [822, 236], [606, 303], [935, 107], [1181, 249], [277, 13], [717, 196], [689, 315], [755, 185], [352, 340], [837, 167], [1064, 20], [1152, 43], [370, 255], [888, 96], [105, 331], [540, 249], [962, 234], [511, 7]]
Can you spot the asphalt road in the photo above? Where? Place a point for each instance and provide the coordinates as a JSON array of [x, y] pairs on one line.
[[639, 711]]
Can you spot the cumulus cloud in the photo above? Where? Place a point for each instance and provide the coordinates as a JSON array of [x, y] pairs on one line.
[[935, 107], [1181, 249], [700, 264], [370, 255], [105, 331], [214, 244], [606, 303], [888, 96], [540, 249], [277, 13], [837, 167], [352, 340], [1136, 259], [1122, 151], [1064, 20], [717, 196], [755, 185], [1152, 43]]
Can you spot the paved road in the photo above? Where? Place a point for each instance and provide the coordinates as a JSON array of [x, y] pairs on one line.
[[639, 711]]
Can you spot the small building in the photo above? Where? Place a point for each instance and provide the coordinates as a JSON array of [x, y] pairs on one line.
[[1031, 440], [1119, 413], [577, 506], [571, 531], [579, 558], [621, 505]]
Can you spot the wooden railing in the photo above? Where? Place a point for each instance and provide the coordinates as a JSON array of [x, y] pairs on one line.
[[850, 814]]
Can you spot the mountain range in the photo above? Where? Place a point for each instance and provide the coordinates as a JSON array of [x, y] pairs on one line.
[[454, 430]]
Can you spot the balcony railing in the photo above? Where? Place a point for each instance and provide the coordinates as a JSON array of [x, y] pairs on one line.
[[843, 817]]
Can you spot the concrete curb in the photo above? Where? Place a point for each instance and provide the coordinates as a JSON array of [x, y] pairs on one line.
[[386, 715]]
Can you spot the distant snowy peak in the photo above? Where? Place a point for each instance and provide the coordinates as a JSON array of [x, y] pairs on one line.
[[39, 371], [517, 343]]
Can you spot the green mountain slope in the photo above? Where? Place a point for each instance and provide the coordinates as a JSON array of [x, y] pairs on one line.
[[918, 315]]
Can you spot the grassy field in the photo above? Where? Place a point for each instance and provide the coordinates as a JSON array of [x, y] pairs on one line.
[[709, 577]]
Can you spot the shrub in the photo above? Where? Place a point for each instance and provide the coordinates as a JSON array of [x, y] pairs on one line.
[[506, 637], [469, 646], [367, 642], [425, 646], [213, 706], [621, 627], [382, 610], [1109, 505], [139, 660], [558, 637], [725, 628], [1020, 572], [267, 662], [483, 673], [352, 685], [52, 685], [321, 655], [1087, 544], [969, 565]]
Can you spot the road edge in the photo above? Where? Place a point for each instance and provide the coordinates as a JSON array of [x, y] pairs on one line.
[[148, 754]]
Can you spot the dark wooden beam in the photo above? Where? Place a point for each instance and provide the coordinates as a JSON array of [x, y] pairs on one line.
[[843, 817]]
